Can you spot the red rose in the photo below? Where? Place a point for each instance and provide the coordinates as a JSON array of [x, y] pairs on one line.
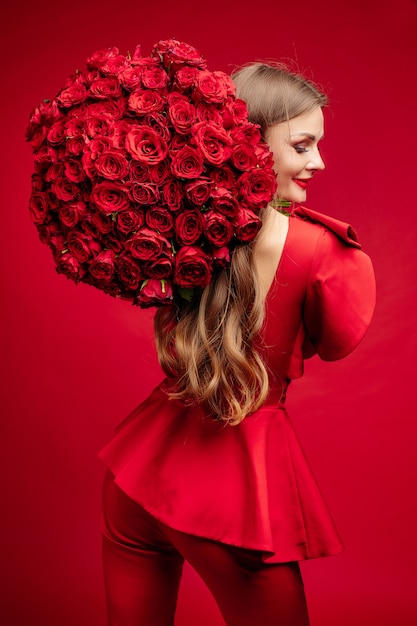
[[145, 145], [246, 133], [223, 176], [198, 191], [100, 57], [257, 187], [82, 246], [102, 221], [36, 135], [113, 242], [185, 78], [208, 113], [187, 163], [155, 292], [160, 219], [264, 156], [144, 193], [39, 206], [138, 172], [89, 226], [192, 268], [146, 101], [75, 146], [224, 202], [106, 88], [248, 226], [211, 86], [181, 113], [175, 54], [113, 109], [218, 229], [161, 268], [44, 115], [48, 229], [57, 133], [75, 79], [74, 171], [75, 127], [72, 95], [154, 78], [38, 183], [129, 271], [71, 213], [130, 78], [88, 165], [111, 287], [64, 189], [43, 158], [178, 142], [221, 257], [189, 227], [98, 146], [58, 245], [213, 141], [146, 244], [243, 157], [172, 194], [110, 197], [98, 126], [144, 62], [235, 112], [159, 173], [112, 165], [91, 76], [70, 267], [129, 221], [120, 129], [56, 170], [158, 123], [102, 268], [114, 65], [77, 112]]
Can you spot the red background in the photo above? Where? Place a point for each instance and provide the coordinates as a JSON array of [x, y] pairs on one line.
[[77, 361]]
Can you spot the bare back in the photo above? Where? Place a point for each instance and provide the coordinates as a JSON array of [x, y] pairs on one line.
[[269, 245]]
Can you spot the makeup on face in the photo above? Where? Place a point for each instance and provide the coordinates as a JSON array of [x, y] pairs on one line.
[[295, 147]]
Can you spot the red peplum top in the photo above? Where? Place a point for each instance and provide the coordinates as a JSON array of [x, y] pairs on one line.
[[250, 485]]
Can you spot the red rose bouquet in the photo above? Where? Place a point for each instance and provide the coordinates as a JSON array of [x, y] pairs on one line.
[[147, 173]]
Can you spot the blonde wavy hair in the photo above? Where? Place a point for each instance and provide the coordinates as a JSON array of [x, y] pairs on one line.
[[209, 348]]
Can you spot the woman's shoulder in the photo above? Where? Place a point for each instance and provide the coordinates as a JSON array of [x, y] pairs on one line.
[[340, 294]]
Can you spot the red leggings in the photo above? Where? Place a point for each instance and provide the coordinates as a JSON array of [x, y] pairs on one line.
[[143, 559]]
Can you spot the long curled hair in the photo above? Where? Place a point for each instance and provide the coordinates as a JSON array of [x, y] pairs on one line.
[[208, 347]]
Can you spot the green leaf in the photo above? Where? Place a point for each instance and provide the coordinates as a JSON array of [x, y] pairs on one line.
[[186, 294]]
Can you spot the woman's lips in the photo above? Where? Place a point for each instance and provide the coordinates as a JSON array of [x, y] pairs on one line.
[[301, 182]]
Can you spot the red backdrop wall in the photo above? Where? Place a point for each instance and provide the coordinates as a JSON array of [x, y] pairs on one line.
[[75, 361]]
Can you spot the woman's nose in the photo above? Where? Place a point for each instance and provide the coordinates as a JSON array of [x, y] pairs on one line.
[[315, 162]]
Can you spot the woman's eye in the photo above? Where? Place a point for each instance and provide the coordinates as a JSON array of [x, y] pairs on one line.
[[300, 148]]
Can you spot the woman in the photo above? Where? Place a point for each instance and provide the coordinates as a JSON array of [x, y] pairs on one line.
[[208, 468]]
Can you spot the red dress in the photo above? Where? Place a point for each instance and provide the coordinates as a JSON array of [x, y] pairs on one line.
[[250, 485]]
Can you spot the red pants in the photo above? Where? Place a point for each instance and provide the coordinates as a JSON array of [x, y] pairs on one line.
[[143, 559]]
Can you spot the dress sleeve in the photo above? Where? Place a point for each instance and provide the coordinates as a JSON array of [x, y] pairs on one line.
[[340, 298]]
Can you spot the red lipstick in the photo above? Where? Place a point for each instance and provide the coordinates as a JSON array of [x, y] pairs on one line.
[[301, 183]]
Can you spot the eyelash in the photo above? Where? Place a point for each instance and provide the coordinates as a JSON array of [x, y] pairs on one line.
[[299, 148]]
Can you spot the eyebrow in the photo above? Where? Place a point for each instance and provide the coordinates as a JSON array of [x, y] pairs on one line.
[[312, 137]]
